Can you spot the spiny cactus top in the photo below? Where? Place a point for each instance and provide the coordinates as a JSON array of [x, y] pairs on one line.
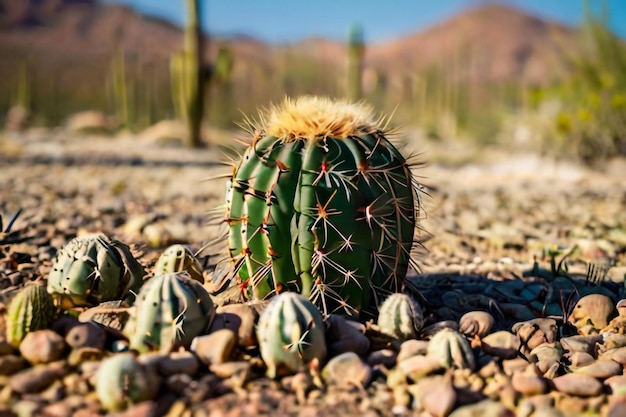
[[321, 203], [92, 269], [177, 258], [31, 309]]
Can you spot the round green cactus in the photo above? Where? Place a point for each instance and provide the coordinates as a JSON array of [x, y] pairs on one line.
[[171, 309], [452, 349], [291, 333], [323, 204], [92, 269], [400, 316], [32, 308], [121, 381], [177, 258]]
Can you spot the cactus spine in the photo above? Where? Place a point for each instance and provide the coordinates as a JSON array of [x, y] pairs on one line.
[[323, 204], [290, 333], [32, 308], [171, 310], [92, 269], [400, 317], [356, 51]]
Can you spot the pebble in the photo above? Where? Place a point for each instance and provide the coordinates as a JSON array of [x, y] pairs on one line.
[[344, 336], [435, 395], [184, 362], [86, 334], [600, 369], [412, 347], [237, 373], [485, 408], [581, 343], [37, 378], [42, 346], [595, 309], [578, 359], [502, 344], [416, 367], [241, 319], [82, 354], [580, 385], [529, 382], [10, 364], [384, 357], [216, 347], [347, 370], [476, 323]]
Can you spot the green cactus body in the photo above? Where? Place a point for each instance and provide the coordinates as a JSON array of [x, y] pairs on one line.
[[32, 308], [400, 317], [356, 50], [177, 258], [92, 269], [291, 334], [323, 204], [121, 382], [171, 310], [452, 349]]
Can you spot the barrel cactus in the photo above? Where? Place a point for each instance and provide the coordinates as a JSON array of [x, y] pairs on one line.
[[121, 381], [323, 204], [171, 309], [400, 317], [290, 333], [452, 349], [177, 258], [32, 308], [92, 269]]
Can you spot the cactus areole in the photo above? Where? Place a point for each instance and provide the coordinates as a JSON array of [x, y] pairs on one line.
[[323, 204]]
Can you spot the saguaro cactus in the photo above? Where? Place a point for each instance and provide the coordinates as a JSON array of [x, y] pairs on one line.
[[356, 50], [188, 76], [321, 203]]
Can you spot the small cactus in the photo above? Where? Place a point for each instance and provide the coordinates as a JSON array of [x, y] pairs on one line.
[[171, 309], [400, 317], [121, 381], [177, 258], [452, 349], [322, 204], [93, 269], [290, 333], [32, 308]]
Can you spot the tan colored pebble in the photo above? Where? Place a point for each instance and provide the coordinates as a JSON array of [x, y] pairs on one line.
[[529, 382], [502, 344], [580, 385], [579, 359], [618, 355], [600, 369], [594, 309], [412, 347], [42, 346], [485, 408], [582, 343], [238, 373], [617, 383], [476, 323], [6, 348], [614, 341], [417, 367], [510, 366], [82, 354], [347, 370], [435, 395], [216, 347]]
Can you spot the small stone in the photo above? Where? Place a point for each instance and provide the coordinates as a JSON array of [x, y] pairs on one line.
[[581, 343], [216, 347], [416, 367], [58, 409], [38, 378], [344, 336], [435, 395], [347, 370], [237, 373], [485, 408], [578, 359], [529, 382], [82, 354], [412, 347], [476, 323], [595, 309], [42, 346], [580, 385], [384, 357], [618, 355], [241, 319], [6, 348], [10, 364], [183, 362], [502, 344], [600, 369], [86, 335]]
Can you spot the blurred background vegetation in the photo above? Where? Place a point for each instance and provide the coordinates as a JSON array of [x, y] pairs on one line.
[[576, 109]]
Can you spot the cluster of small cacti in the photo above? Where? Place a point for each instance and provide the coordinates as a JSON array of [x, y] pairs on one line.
[[323, 204]]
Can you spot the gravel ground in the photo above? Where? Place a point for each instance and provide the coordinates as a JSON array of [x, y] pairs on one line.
[[484, 222]]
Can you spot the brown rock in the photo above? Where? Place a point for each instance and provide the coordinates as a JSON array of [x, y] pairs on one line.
[[183, 362], [42, 346], [10, 364], [241, 319], [216, 347], [38, 378], [580, 385], [86, 335]]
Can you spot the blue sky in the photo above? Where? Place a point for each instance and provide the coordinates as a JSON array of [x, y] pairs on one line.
[[289, 21]]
